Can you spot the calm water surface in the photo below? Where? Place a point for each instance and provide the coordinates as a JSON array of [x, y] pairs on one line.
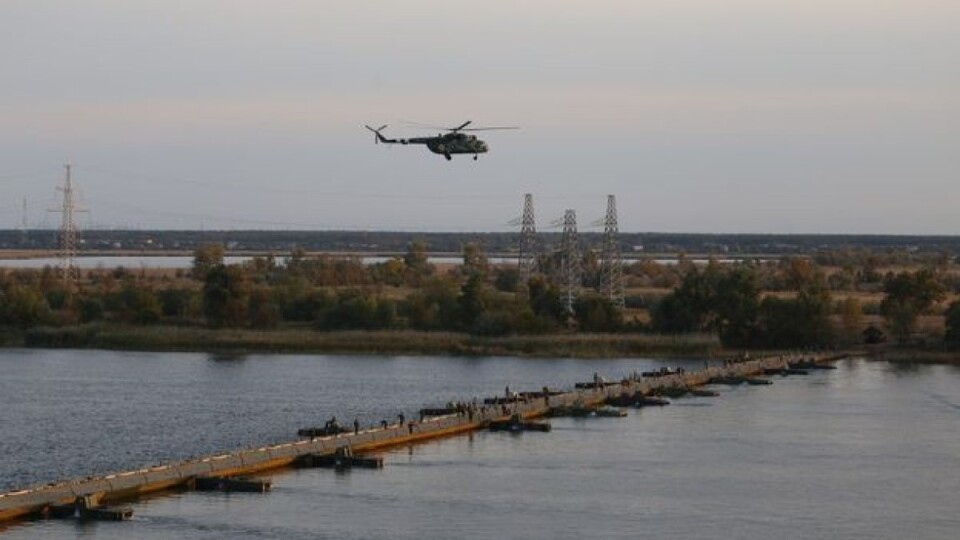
[[178, 261], [870, 450]]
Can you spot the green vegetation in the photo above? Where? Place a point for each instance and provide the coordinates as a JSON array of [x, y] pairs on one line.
[[952, 334], [170, 338], [726, 300], [408, 305], [908, 295]]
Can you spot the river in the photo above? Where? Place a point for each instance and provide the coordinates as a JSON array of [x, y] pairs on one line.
[[869, 450], [89, 262]]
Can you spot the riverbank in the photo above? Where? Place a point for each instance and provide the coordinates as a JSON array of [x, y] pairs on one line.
[[413, 343], [183, 339], [912, 355]]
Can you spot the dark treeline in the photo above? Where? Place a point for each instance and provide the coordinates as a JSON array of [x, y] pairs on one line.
[[385, 241], [784, 303], [323, 293], [728, 300]]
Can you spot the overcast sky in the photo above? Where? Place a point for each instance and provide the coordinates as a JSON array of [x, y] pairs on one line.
[[786, 116]]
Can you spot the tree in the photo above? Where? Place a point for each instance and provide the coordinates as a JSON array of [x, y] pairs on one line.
[[590, 268], [851, 318], [690, 307], [952, 335], [545, 300], [908, 295], [798, 272], [262, 269], [597, 314], [471, 300], [474, 261], [417, 263], [23, 306], [389, 272], [175, 302], [435, 306], [89, 308], [674, 314], [225, 296], [736, 306], [206, 257], [140, 305], [264, 312], [507, 279], [803, 321]]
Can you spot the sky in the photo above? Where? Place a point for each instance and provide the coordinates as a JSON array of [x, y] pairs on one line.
[[733, 116]]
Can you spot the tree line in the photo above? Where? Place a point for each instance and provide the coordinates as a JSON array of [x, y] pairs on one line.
[[739, 302]]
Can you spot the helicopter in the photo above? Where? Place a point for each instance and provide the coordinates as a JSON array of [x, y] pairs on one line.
[[454, 141]]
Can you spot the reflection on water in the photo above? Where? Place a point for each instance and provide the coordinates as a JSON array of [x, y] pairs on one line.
[[226, 357], [866, 451]]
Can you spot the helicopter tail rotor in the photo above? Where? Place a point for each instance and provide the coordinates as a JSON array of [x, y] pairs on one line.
[[376, 133]]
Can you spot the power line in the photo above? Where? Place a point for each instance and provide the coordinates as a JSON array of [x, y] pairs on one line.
[[205, 216]]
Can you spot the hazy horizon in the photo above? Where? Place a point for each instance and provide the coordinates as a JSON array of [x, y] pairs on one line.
[[552, 230], [744, 117]]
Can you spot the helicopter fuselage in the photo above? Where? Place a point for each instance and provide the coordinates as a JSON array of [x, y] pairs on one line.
[[456, 143], [450, 143]]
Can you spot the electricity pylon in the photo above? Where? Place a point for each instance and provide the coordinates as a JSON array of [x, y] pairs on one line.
[[527, 260], [68, 234], [570, 261], [611, 261]]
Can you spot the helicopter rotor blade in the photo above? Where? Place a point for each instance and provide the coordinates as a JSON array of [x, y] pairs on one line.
[[490, 128], [423, 126], [461, 126]]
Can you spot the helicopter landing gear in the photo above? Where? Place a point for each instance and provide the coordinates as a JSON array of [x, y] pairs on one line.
[[448, 156]]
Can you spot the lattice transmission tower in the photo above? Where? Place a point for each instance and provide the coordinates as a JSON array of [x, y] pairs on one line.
[[527, 260], [570, 261], [611, 261], [68, 233]]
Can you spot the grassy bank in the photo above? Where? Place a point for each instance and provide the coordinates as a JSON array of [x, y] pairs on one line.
[[913, 355], [359, 342]]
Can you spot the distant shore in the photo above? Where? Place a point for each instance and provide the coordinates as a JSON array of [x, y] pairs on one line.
[[914, 355], [408, 342], [402, 342]]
